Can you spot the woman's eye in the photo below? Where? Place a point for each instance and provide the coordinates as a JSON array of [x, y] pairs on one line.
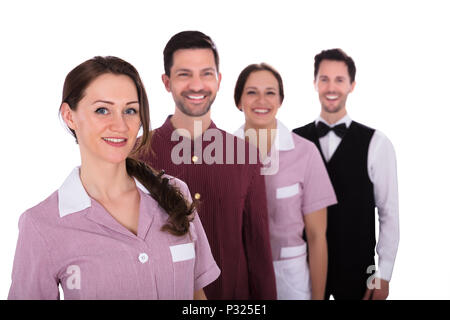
[[250, 92], [101, 111], [131, 111], [270, 93]]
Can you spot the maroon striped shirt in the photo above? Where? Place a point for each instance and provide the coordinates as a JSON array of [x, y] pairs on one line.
[[232, 209]]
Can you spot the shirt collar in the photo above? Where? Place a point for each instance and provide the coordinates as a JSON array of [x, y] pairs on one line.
[[167, 128], [283, 138], [72, 197], [345, 119]]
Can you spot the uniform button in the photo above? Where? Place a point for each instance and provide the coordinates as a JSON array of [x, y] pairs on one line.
[[197, 196], [143, 257], [194, 159]]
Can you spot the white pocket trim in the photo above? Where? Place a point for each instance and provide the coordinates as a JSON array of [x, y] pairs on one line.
[[290, 252], [182, 252], [289, 191]]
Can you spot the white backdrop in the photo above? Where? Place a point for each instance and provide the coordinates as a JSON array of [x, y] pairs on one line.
[[401, 52]]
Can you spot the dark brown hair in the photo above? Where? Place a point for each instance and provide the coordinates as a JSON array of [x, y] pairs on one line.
[[335, 55], [243, 76], [167, 196], [188, 40]]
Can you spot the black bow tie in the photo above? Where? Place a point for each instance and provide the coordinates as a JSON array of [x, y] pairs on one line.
[[323, 129]]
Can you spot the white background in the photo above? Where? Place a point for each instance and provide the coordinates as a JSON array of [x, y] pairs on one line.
[[402, 57]]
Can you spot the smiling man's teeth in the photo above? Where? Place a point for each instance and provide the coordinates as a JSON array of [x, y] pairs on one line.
[[261, 110], [114, 140], [331, 97], [196, 97]]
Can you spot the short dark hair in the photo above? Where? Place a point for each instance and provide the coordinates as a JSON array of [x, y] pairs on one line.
[[335, 55], [243, 76], [188, 40]]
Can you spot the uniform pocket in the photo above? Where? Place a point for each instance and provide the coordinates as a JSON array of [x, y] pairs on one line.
[[288, 205], [182, 252], [183, 258], [292, 279], [288, 191]]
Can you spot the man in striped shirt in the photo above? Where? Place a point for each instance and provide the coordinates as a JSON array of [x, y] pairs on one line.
[[229, 188]]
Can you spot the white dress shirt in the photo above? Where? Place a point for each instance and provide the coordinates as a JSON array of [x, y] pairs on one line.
[[382, 169]]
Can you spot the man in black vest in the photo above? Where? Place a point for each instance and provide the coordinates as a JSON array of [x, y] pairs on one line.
[[362, 166]]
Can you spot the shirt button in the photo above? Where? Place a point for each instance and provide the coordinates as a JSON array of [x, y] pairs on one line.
[[194, 159], [197, 196], [143, 257]]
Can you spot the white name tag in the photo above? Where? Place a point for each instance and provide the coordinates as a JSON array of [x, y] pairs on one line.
[[286, 192], [182, 252]]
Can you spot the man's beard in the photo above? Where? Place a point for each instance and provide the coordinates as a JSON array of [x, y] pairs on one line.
[[332, 110], [182, 107], [336, 109]]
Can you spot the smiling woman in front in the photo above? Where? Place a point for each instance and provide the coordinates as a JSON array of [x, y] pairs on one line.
[[115, 229]]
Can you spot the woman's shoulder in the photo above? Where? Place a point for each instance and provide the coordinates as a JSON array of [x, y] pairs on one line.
[[178, 183], [174, 180], [44, 212], [303, 143]]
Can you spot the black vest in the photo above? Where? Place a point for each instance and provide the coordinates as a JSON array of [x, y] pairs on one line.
[[351, 222]]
